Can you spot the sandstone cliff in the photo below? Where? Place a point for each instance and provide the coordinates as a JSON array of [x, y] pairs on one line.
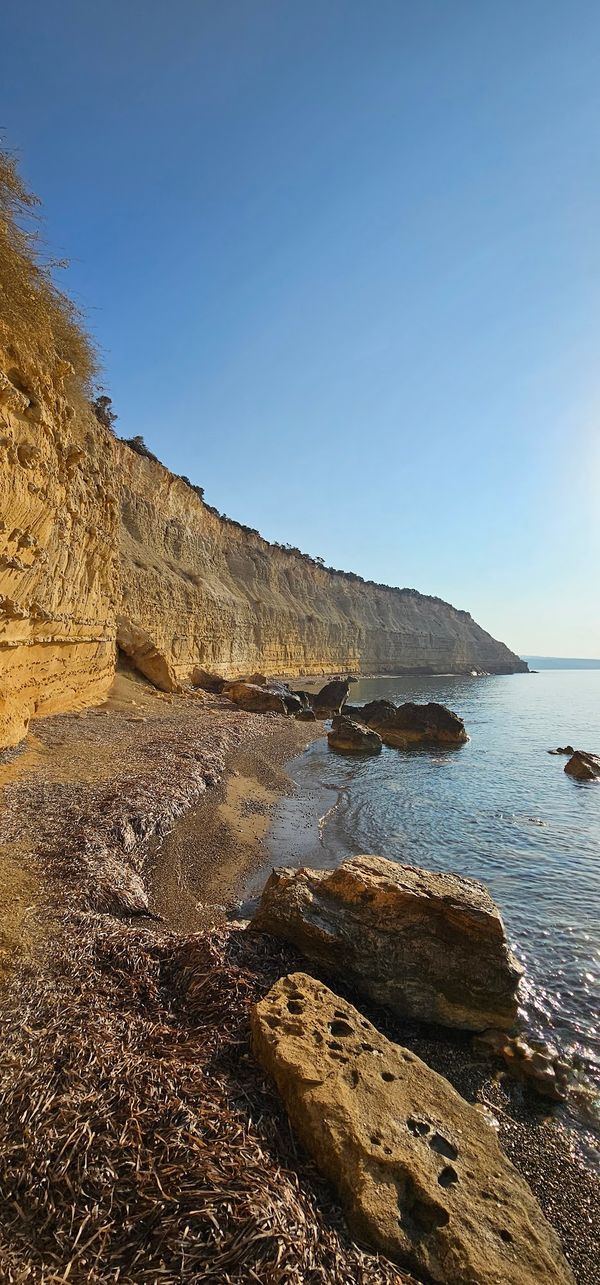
[[202, 593], [58, 551], [101, 545]]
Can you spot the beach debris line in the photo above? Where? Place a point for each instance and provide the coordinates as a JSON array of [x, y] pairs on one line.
[[419, 1171], [426, 944]]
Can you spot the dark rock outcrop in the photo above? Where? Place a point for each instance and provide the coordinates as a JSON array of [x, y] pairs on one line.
[[427, 945], [584, 766], [419, 1171], [349, 737], [330, 699], [412, 724], [377, 711]]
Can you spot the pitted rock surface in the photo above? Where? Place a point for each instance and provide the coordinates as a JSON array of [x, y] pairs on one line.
[[425, 944], [419, 1171]]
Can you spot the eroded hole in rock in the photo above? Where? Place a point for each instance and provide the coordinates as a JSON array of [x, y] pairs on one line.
[[418, 1214], [294, 1006], [443, 1147], [418, 1127], [376, 1140], [341, 1028], [505, 1236], [353, 1078], [487, 1195], [448, 1176], [387, 1076], [367, 1048], [333, 1045], [387, 1151], [339, 1013], [272, 1021]]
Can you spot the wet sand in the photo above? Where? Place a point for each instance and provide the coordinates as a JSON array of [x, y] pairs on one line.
[[196, 874]]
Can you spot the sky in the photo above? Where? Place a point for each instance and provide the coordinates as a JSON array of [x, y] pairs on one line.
[[342, 260]]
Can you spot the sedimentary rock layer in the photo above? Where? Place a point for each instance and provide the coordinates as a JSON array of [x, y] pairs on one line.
[[203, 593], [101, 545], [59, 582]]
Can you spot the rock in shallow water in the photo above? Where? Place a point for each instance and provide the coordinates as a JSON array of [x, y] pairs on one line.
[[412, 724], [425, 944], [584, 766], [349, 737], [419, 1171]]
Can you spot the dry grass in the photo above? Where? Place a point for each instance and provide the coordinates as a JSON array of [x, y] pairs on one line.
[[39, 324], [139, 1142]]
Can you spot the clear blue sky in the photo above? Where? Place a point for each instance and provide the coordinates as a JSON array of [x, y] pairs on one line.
[[343, 262]]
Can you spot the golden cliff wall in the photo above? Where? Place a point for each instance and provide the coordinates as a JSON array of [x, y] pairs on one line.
[[202, 593], [58, 546], [100, 545]]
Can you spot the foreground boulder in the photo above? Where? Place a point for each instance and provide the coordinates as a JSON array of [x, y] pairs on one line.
[[330, 699], [426, 945], [412, 724], [349, 737], [419, 1171], [584, 766]]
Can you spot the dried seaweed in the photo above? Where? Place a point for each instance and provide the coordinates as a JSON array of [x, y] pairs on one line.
[[138, 1140]]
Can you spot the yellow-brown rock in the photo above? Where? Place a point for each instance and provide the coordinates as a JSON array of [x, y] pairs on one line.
[[419, 1171], [427, 944], [59, 583]]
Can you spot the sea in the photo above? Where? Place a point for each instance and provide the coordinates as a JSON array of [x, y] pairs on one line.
[[499, 809]]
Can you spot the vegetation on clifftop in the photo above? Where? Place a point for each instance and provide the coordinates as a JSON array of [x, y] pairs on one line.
[[39, 325]]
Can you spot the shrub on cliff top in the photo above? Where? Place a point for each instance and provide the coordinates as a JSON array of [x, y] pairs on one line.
[[39, 323]]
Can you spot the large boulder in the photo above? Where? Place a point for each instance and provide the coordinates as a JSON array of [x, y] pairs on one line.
[[412, 724], [349, 737], [330, 699], [377, 711], [425, 944], [584, 766], [254, 698], [419, 1171]]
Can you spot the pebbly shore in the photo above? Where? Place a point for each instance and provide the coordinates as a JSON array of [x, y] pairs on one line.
[[139, 1139]]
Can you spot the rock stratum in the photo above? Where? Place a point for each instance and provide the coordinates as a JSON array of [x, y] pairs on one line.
[[103, 547]]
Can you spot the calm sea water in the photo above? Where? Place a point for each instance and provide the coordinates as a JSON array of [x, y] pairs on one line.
[[499, 809]]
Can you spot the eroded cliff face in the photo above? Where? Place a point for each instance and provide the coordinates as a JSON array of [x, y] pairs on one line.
[[200, 593], [58, 551], [102, 546]]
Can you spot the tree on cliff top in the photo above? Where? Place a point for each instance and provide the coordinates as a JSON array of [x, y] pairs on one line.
[[39, 324]]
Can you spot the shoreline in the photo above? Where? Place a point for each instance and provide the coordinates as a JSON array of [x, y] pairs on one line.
[[100, 804]]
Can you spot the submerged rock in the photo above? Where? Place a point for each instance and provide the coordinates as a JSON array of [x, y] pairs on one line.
[[420, 1173], [330, 699], [425, 944], [349, 737], [584, 766]]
